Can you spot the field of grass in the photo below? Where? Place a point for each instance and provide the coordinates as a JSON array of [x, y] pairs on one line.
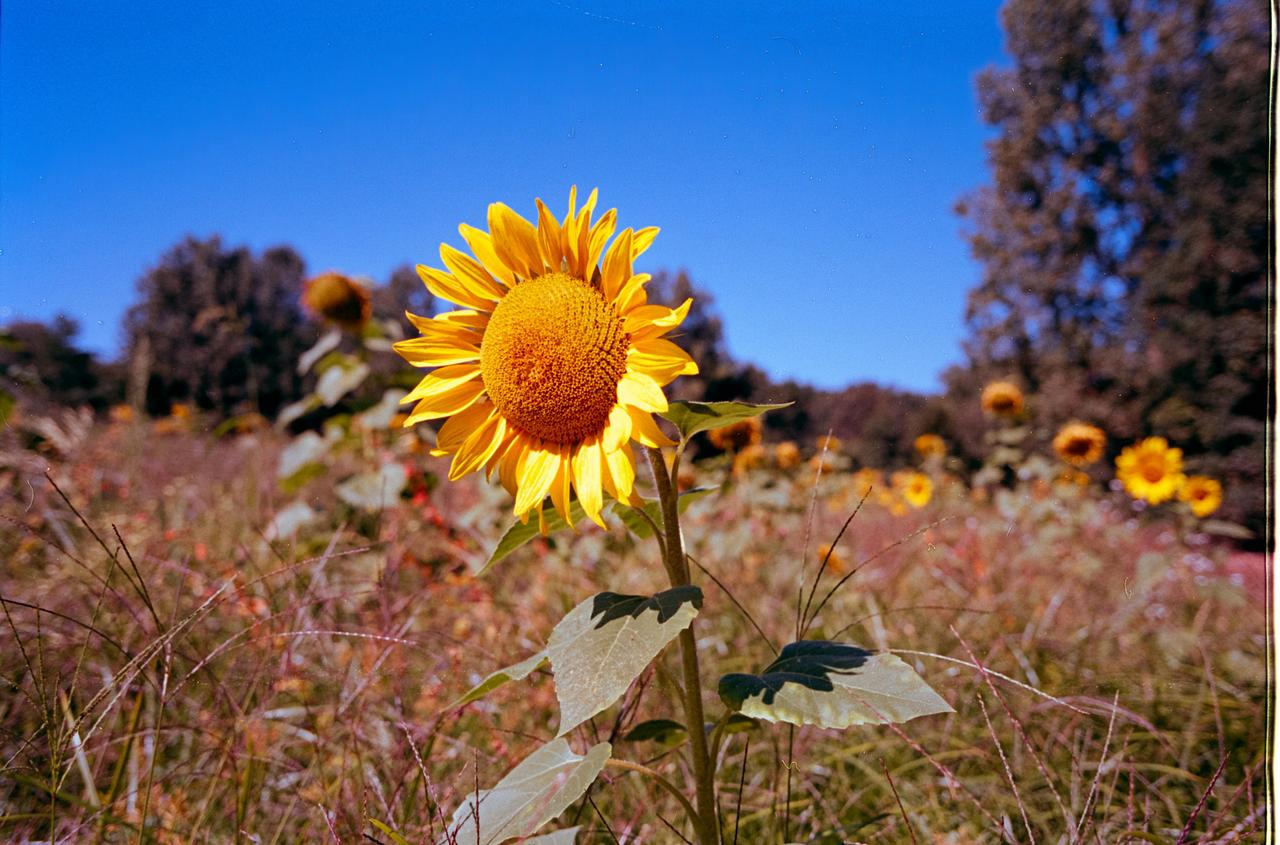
[[182, 665]]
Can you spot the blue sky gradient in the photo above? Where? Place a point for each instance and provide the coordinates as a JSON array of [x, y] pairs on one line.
[[802, 161]]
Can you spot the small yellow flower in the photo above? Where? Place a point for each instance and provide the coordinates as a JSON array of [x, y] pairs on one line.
[[916, 488], [180, 411], [930, 446], [748, 459], [1002, 399], [736, 436], [121, 413], [1080, 444], [1202, 493], [786, 455], [835, 561], [867, 479], [830, 443], [556, 361], [339, 299], [1150, 470]]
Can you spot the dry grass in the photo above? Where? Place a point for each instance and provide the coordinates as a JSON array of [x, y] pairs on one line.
[[172, 675]]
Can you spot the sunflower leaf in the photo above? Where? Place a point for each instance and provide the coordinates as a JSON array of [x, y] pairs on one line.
[[640, 527], [661, 731], [537, 790], [521, 533], [604, 643], [693, 417], [518, 672], [832, 685]]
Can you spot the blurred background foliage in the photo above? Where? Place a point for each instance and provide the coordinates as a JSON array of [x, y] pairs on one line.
[[1122, 240]]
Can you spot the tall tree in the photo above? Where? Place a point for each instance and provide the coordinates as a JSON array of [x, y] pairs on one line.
[[220, 328], [1124, 234]]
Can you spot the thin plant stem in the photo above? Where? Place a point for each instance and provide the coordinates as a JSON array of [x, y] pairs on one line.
[[706, 823]]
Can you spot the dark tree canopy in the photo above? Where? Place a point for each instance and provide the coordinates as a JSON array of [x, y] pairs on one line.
[[41, 365], [221, 328], [1124, 234]]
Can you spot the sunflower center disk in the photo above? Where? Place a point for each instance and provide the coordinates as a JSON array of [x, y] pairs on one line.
[[553, 354]]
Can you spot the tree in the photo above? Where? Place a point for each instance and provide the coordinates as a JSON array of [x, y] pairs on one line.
[[220, 328], [41, 364], [1124, 234]]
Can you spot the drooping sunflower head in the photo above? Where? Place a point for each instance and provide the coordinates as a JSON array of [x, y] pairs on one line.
[[736, 436], [1080, 444], [1150, 470], [930, 446], [1202, 493], [916, 488], [556, 361], [1002, 399], [338, 299]]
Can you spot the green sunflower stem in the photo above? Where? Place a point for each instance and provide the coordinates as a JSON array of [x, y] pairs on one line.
[[707, 821]]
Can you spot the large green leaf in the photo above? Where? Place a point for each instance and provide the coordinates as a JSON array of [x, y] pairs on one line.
[[832, 685], [640, 527], [559, 837], [521, 533], [692, 417], [338, 381], [661, 731], [605, 642], [537, 790], [518, 672]]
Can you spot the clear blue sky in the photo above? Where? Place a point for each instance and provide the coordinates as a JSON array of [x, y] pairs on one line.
[[802, 160]]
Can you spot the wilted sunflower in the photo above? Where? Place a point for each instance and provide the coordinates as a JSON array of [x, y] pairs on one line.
[[1150, 470], [1002, 398], [339, 299], [1080, 444], [915, 487], [556, 361], [1202, 493], [930, 445], [736, 436]]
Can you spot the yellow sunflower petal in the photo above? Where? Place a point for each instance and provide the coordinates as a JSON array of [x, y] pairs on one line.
[[600, 234], [442, 380], [619, 475], [617, 266], [448, 402], [618, 430], [653, 320], [645, 430], [586, 479], [447, 287], [536, 473], [428, 352], [641, 391], [515, 240], [459, 427], [472, 273], [482, 248], [633, 295], [549, 237], [661, 359], [561, 488], [642, 240], [479, 447], [509, 465]]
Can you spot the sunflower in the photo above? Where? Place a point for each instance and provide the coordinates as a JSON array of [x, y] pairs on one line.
[[554, 364], [1150, 470], [786, 455], [750, 458], [1002, 399], [1202, 493], [1080, 444], [867, 479], [736, 436], [339, 299], [916, 488], [930, 445]]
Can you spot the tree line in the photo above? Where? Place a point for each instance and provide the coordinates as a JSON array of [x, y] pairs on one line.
[[1123, 240]]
